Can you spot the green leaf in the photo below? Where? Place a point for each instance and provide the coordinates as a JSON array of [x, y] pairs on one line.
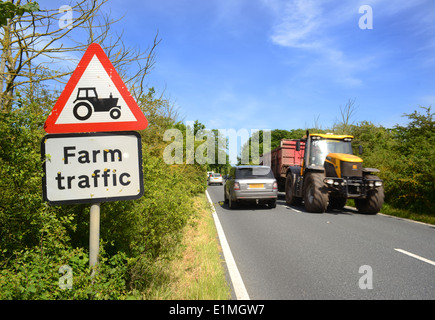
[[31, 289], [8, 10], [30, 7]]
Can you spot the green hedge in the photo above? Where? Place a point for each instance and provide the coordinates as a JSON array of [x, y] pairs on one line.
[[37, 239]]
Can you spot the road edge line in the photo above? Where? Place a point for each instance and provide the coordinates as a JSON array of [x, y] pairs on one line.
[[236, 278]]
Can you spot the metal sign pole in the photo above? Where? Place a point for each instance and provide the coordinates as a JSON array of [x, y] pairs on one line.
[[94, 236]]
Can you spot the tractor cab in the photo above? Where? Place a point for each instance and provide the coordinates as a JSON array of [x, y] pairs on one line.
[[86, 93], [324, 149], [321, 145]]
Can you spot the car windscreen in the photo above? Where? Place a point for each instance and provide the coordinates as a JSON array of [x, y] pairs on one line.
[[254, 173]]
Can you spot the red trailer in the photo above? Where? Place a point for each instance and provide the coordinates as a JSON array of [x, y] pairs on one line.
[[283, 157]]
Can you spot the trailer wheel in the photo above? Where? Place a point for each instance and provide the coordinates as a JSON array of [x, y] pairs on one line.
[[373, 202], [315, 193], [290, 198]]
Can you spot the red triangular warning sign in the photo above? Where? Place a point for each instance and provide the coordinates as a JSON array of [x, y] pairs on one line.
[[95, 99]]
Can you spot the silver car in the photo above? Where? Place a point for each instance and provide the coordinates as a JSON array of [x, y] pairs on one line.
[[215, 178], [251, 183]]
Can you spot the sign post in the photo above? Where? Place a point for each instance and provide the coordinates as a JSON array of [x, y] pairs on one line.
[[94, 236], [88, 156]]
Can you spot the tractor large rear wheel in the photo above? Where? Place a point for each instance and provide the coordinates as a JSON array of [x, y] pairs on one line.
[[82, 111], [315, 192]]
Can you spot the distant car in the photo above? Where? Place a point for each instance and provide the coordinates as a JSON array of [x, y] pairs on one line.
[[215, 178], [251, 183]]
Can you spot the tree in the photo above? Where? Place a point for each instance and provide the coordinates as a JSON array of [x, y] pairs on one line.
[[161, 115], [347, 113], [275, 135], [415, 141], [36, 40], [404, 155], [8, 10], [221, 146]]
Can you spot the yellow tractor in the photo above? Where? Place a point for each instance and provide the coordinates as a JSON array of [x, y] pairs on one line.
[[330, 174]]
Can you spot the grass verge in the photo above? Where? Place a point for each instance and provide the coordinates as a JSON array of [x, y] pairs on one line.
[[401, 213], [197, 272], [407, 214]]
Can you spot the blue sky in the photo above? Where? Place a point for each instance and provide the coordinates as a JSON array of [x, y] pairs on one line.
[[282, 64]]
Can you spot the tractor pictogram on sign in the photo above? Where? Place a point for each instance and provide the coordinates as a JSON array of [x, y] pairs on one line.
[[87, 100], [93, 98]]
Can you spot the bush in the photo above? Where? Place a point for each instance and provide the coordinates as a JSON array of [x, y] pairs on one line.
[[405, 156]]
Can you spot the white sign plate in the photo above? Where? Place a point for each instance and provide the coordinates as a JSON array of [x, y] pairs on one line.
[[92, 167]]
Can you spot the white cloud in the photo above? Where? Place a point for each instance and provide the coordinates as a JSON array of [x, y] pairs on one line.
[[300, 20], [315, 27], [319, 31]]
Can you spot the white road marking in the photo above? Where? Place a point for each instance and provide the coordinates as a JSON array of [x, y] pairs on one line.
[[296, 210], [236, 278], [416, 256]]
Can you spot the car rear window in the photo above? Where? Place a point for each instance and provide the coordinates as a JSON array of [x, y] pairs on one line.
[[253, 173], [216, 175]]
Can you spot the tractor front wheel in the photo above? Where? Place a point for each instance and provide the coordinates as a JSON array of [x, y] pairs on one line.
[[115, 113], [372, 204]]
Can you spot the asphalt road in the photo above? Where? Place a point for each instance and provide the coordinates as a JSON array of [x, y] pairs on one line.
[[288, 253]]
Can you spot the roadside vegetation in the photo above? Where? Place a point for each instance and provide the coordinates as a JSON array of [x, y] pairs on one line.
[[138, 238], [197, 272], [405, 155]]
